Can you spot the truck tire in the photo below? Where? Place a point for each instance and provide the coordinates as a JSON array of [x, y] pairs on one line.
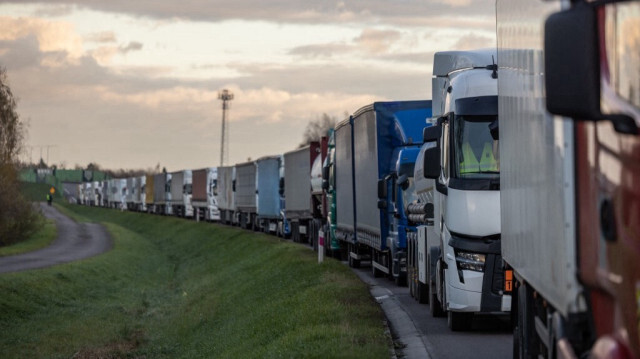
[[422, 293], [527, 342], [377, 273], [435, 308], [400, 279], [353, 263], [459, 321]]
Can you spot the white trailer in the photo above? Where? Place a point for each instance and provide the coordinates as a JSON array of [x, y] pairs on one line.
[[226, 194], [181, 192], [570, 197]]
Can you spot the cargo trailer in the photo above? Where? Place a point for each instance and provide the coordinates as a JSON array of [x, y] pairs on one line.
[[245, 195], [270, 196], [299, 208], [181, 192], [226, 194]]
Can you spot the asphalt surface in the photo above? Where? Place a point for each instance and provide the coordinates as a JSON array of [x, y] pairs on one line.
[[75, 241], [422, 336]]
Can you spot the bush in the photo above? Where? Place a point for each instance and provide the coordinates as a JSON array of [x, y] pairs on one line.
[[18, 218]]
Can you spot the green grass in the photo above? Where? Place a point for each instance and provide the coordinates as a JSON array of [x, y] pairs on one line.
[[171, 288], [42, 238]]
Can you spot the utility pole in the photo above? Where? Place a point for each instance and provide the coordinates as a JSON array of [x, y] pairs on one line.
[[226, 96], [48, 147]]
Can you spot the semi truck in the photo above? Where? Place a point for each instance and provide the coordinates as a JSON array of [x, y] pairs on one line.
[[299, 210], [570, 199], [331, 242], [226, 194], [139, 200], [162, 193], [181, 193], [117, 193], [80, 198], [318, 196], [465, 264], [149, 192], [385, 138], [245, 194], [417, 272], [205, 187], [131, 193], [269, 194], [104, 184]]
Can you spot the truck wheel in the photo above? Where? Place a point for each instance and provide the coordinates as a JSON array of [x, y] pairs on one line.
[[377, 273], [459, 321], [422, 293], [400, 280], [435, 307], [527, 341]]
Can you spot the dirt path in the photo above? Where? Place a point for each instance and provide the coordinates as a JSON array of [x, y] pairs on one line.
[[75, 241]]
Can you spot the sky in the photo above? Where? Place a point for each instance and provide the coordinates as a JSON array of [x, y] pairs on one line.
[[134, 84]]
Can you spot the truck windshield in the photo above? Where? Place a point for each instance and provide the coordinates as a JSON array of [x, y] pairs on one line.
[[476, 154]]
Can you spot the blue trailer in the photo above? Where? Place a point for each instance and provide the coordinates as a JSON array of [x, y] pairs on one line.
[[269, 174], [386, 139]]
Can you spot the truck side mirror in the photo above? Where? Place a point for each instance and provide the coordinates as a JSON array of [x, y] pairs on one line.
[[325, 178], [382, 204], [494, 129], [382, 189], [431, 133], [431, 164], [233, 185], [571, 46], [281, 186], [403, 182]]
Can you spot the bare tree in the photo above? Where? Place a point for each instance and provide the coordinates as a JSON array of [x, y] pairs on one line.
[[11, 128], [317, 128]]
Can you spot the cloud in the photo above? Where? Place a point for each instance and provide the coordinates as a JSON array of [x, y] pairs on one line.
[[472, 41], [87, 108], [322, 50], [414, 12], [52, 36], [132, 46], [102, 37], [377, 41]]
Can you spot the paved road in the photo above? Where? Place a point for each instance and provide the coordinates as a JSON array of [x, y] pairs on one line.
[[75, 241], [490, 336]]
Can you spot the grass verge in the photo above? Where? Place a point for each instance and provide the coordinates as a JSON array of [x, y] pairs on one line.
[[172, 288], [40, 239]]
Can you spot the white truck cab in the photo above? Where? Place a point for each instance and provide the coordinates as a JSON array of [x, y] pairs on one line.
[[464, 266]]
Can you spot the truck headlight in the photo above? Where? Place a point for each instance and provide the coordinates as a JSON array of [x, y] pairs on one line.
[[470, 261]]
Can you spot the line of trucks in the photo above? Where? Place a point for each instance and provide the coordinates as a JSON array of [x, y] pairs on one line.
[[513, 191]]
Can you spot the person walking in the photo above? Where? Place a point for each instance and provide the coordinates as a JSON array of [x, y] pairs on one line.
[[49, 198]]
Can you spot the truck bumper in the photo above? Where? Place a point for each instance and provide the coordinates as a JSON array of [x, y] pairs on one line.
[[188, 211], [472, 291]]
